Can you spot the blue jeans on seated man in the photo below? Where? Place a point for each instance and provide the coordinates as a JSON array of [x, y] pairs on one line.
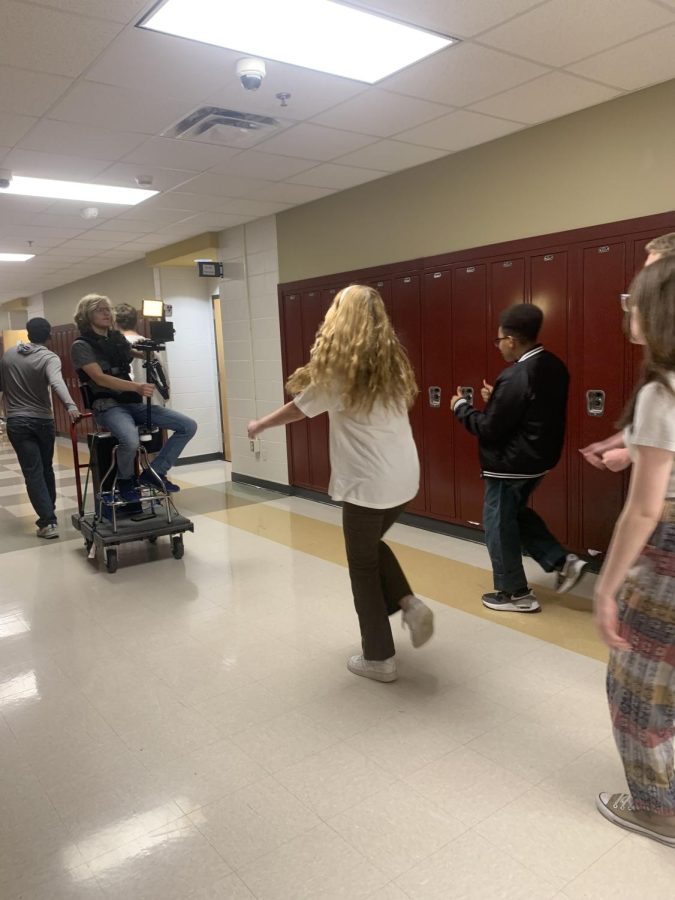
[[123, 422], [512, 527], [33, 442]]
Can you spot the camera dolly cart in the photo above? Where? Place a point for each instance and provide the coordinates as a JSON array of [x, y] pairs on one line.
[[114, 522]]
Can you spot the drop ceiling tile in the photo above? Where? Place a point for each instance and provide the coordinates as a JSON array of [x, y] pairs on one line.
[[164, 64], [32, 163], [3, 152], [116, 11], [173, 153], [51, 220], [82, 140], [225, 185], [34, 37], [561, 32], [112, 238], [141, 225], [311, 92], [204, 222], [460, 18], [646, 60], [548, 97], [118, 108], [390, 156], [253, 208], [13, 127], [184, 200], [158, 216], [328, 175], [458, 130], [380, 113], [315, 142], [22, 206], [29, 93], [267, 166], [283, 192], [124, 174], [463, 74]]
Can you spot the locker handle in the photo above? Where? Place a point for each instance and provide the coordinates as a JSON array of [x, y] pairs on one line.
[[604, 249], [595, 403], [467, 393], [407, 279], [438, 274], [507, 265], [471, 269], [548, 257], [434, 397]]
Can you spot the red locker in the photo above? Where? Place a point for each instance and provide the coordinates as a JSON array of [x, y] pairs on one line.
[[603, 385], [407, 321], [436, 390], [469, 365], [383, 286], [507, 288], [298, 442], [314, 305], [550, 292]]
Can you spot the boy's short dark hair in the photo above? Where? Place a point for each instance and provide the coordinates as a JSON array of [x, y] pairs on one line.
[[126, 316], [522, 322], [38, 330]]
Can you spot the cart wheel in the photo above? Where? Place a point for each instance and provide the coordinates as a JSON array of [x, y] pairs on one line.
[[177, 547], [152, 539], [111, 560]]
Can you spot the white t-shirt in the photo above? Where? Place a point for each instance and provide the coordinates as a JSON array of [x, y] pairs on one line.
[[654, 422], [373, 457]]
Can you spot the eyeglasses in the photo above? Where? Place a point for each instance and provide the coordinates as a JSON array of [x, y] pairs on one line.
[[497, 341], [625, 302]]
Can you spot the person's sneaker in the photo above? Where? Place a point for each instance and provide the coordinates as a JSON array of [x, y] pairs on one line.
[[378, 670], [148, 479], [572, 570], [420, 620], [522, 601], [49, 532], [619, 810], [128, 490]]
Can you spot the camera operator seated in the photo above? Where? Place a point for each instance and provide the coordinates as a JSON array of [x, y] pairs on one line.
[[102, 357]]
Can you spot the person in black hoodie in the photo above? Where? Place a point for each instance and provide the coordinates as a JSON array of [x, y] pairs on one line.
[[520, 437]]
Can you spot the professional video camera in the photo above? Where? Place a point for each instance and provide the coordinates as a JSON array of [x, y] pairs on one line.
[[161, 333]]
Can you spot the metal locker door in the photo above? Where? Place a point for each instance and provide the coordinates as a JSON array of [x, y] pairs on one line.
[[314, 305], [298, 440]]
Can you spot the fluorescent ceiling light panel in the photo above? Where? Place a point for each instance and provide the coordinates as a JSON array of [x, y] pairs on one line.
[[76, 190], [15, 257], [316, 34]]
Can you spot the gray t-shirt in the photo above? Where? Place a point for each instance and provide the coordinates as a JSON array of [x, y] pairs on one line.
[[654, 422], [82, 354]]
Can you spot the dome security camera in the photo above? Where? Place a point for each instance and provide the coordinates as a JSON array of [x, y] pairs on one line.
[[251, 73], [5, 178]]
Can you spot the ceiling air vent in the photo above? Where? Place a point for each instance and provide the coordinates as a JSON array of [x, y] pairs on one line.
[[198, 123]]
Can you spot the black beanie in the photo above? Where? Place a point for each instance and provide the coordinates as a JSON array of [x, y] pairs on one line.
[[38, 330]]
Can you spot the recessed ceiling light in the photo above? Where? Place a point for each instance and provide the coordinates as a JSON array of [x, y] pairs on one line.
[[316, 34], [16, 257], [76, 190]]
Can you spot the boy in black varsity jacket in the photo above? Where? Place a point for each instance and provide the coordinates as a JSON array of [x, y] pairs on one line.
[[520, 438]]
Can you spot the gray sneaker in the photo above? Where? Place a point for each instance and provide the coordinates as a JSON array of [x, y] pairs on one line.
[[420, 620], [522, 601], [619, 810], [572, 570], [49, 532]]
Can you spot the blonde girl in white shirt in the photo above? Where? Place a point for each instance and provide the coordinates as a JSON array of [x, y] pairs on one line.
[[360, 375]]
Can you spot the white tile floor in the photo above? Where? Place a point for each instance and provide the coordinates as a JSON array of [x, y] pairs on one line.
[[188, 729]]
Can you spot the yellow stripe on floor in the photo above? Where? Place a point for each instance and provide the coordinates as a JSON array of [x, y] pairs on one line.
[[564, 621]]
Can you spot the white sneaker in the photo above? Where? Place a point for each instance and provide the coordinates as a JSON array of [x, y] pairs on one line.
[[572, 570], [420, 620], [378, 670], [49, 532]]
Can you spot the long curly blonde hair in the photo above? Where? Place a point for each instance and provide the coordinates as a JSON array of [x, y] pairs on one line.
[[356, 350]]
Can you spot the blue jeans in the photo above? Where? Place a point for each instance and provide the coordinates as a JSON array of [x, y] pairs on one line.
[[33, 442], [123, 421], [511, 526]]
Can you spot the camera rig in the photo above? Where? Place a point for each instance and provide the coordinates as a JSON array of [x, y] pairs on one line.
[[161, 333]]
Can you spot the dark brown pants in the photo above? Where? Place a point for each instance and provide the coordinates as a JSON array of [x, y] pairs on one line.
[[378, 582]]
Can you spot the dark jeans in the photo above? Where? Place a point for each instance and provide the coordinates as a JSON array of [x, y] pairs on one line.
[[378, 582], [511, 526], [33, 442]]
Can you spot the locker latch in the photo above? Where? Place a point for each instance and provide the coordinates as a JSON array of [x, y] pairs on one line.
[[434, 397], [595, 403], [467, 393]]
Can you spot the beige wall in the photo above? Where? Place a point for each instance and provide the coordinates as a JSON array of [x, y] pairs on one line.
[[613, 161], [125, 284]]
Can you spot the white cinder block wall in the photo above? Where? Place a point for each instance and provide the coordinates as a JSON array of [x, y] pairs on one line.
[[193, 371], [252, 345]]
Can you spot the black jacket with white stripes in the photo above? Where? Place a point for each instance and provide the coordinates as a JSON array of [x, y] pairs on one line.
[[522, 430]]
